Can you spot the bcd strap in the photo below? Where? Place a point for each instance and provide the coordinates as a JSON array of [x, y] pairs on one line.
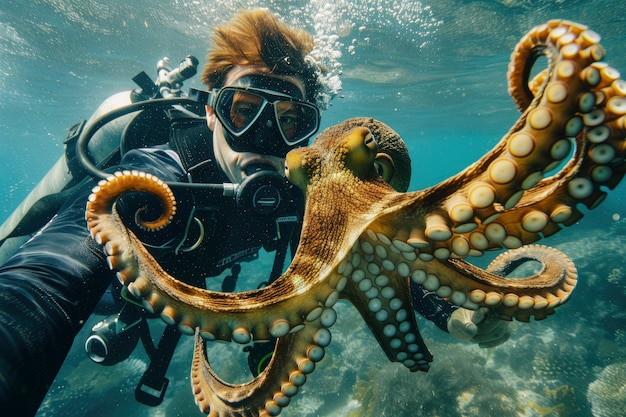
[[153, 384], [192, 140], [73, 164]]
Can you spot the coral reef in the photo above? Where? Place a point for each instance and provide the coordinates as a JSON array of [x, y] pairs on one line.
[[607, 393], [459, 384]]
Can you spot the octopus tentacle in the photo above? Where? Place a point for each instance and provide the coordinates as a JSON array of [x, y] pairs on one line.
[[598, 162], [538, 42], [377, 285], [366, 242], [502, 200], [221, 316], [462, 283], [286, 303], [106, 193], [295, 356], [187, 306]]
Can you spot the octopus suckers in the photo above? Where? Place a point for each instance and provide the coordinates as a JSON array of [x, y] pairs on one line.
[[289, 389], [389, 330], [305, 365], [358, 275], [381, 251], [560, 149], [514, 199], [395, 304], [492, 298], [461, 212], [331, 299], [477, 296], [458, 298], [591, 76], [419, 276], [617, 105], [482, 195], [402, 246], [281, 399], [280, 328], [540, 118], [403, 269], [479, 241], [590, 37], [566, 39], [512, 242], [436, 228], [365, 284], [388, 293], [271, 408], [382, 280], [566, 69], [373, 268], [510, 300], [594, 118], [382, 315], [599, 134], [531, 180], [557, 92], [570, 50], [561, 213], [431, 283], [375, 305], [580, 188], [521, 145], [297, 378], [503, 171], [315, 353], [383, 238], [586, 102], [602, 153], [535, 221], [601, 173], [495, 232], [367, 247], [328, 317], [341, 284]]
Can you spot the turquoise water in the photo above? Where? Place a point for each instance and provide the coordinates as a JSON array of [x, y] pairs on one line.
[[435, 72]]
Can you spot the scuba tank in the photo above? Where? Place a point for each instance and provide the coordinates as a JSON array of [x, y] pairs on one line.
[[124, 121]]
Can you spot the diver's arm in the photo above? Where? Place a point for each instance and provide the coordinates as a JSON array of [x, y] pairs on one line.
[[431, 307], [48, 289], [481, 326]]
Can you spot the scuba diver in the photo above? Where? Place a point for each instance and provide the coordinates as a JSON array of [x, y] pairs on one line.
[[223, 154]]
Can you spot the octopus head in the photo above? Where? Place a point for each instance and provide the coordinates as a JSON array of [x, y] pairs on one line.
[[367, 149]]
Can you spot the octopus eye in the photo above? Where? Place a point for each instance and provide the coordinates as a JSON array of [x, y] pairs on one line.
[[361, 147], [385, 167], [296, 169]]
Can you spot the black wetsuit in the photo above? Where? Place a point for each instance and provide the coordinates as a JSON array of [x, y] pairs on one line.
[[52, 284]]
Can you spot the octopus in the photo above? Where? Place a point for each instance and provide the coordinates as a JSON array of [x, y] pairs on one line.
[[366, 240]]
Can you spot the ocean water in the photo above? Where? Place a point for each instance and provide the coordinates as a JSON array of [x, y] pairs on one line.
[[435, 72]]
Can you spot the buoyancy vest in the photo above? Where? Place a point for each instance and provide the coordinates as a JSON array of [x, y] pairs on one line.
[[223, 232]]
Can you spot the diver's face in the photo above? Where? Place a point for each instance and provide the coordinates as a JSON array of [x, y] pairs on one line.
[[238, 165]]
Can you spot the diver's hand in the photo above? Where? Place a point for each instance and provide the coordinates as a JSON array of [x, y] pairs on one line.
[[481, 326]]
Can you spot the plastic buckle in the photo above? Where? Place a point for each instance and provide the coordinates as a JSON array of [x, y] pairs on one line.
[[147, 394]]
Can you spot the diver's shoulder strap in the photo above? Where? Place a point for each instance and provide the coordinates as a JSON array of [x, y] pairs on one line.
[[192, 140]]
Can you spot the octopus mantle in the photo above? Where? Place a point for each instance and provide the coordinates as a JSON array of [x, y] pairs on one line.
[[366, 242]]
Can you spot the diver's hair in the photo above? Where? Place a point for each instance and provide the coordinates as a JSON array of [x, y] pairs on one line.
[[257, 37]]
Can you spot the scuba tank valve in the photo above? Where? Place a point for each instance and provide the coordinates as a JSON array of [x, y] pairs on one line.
[[170, 80]]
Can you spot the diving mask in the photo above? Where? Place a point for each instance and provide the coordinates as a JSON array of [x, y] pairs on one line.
[[264, 115]]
